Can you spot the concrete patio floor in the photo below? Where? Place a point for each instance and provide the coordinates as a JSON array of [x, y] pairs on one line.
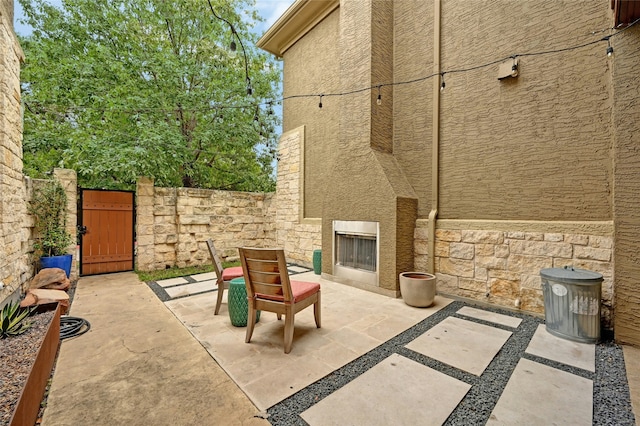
[[375, 361]]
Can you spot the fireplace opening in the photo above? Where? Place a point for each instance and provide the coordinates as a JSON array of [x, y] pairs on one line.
[[356, 250]]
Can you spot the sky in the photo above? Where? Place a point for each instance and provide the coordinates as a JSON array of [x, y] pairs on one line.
[[270, 10]]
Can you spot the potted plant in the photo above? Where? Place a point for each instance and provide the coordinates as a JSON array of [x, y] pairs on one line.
[[52, 241]]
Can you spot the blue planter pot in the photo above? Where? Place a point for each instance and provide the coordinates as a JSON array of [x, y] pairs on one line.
[[63, 262]]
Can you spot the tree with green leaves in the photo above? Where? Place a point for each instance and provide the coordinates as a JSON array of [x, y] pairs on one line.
[[117, 89]]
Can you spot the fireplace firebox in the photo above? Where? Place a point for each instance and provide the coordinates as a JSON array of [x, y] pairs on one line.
[[355, 250]]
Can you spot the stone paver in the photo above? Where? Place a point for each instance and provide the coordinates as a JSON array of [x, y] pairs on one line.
[[462, 344], [546, 345], [205, 277], [490, 316], [171, 282], [189, 289], [540, 395], [397, 391]]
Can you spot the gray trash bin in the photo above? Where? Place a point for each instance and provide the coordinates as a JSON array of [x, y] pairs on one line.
[[572, 303]]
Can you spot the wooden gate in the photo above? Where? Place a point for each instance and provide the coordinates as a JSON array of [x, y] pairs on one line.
[[106, 231]]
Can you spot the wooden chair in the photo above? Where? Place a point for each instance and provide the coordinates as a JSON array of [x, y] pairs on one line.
[[269, 289], [224, 275]]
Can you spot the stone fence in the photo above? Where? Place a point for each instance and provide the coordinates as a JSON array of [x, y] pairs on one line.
[[19, 243], [173, 224]]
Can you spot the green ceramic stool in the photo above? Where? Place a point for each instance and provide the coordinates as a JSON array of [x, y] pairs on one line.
[[237, 303]]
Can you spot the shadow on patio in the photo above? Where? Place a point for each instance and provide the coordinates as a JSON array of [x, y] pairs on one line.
[[461, 363], [375, 361]]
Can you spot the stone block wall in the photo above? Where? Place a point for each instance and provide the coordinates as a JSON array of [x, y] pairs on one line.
[[173, 224], [69, 181], [502, 267], [297, 235], [15, 268]]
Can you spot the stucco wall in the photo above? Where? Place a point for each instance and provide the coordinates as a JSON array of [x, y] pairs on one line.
[[626, 110], [318, 54], [542, 160], [537, 147], [366, 182], [14, 264], [413, 106]]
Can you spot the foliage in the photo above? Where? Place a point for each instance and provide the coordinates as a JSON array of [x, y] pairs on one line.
[[117, 89], [49, 209], [165, 274], [13, 320]]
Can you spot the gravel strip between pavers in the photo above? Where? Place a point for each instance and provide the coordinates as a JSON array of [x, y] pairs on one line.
[[611, 398]]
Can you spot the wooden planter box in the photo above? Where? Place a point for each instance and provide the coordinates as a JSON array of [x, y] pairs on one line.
[[26, 411]]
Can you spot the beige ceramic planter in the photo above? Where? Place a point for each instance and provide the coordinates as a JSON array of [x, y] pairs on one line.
[[418, 288]]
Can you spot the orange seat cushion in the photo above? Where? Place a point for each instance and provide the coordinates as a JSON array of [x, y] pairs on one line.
[[300, 290], [230, 273]]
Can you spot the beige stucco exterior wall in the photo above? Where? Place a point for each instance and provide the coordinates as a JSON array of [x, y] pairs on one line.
[[413, 106], [537, 147], [544, 165], [318, 54], [173, 224], [626, 109], [526, 164], [366, 182], [14, 264]]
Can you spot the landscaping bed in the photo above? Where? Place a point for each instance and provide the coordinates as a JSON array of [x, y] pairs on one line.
[[27, 360]]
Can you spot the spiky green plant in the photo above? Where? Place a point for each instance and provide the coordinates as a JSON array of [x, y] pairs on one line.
[[13, 320]]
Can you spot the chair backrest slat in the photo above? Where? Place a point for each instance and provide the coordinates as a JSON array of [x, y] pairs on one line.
[[217, 263], [266, 272]]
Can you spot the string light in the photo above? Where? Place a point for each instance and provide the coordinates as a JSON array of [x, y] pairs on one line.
[[609, 51], [232, 46], [609, 48]]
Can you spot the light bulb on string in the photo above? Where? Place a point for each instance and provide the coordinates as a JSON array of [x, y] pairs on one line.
[[442, 85], [609, 48], [249, 88], [379, 99], [320, 104]]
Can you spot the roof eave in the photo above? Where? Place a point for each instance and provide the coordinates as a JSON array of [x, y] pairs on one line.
[[298, 20]]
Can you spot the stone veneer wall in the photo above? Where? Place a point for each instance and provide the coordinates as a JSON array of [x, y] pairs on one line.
[[299, 236], [173, 224], [69, 181], [502, 267], [14, 262]]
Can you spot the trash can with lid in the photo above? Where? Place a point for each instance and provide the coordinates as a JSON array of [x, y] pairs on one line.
[[572, 303]]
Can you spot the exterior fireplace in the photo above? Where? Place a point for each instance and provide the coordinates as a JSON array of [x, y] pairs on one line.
[[355, 250]]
